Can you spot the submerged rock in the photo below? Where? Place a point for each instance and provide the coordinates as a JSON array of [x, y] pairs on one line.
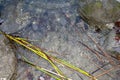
[[15, 18], [99, 12]]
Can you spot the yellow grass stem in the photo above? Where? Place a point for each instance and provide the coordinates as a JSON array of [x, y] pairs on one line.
[[60, 61], [48, 72], [33, 49]]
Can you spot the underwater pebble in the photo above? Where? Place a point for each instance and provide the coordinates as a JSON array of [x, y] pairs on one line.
[[41, 78], [30, 76], [35, 26], [52, 79]]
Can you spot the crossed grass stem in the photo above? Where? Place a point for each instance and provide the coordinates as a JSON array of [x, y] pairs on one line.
[[47, 57]]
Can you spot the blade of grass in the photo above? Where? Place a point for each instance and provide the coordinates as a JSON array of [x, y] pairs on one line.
[[60, 61], [50, 73]]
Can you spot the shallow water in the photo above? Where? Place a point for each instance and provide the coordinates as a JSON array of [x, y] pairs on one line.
[[56, 27]]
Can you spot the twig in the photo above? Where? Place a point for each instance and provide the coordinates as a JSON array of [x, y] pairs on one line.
[[88, 57], [99, 47], [79, 76], [101, 67], [105, 72], [97, 54]]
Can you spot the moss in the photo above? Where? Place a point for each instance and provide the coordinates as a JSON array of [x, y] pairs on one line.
[[87, 9], [91, 7], [116, 8], [98, 4]]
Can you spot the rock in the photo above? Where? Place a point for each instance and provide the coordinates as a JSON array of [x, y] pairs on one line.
[[99, 12], [7, 60], [14, 17]]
